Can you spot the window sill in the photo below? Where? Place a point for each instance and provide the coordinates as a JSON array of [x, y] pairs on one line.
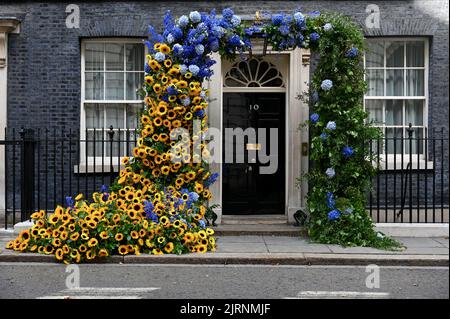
[[392, 165], [97, 169]]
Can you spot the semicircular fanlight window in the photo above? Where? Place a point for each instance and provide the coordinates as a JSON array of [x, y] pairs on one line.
[[254, 72]]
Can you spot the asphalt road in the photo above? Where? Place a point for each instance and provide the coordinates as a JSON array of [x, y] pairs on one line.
[[36, 280]]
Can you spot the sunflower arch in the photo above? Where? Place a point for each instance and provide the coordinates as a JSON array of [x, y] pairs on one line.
[[159, 202]]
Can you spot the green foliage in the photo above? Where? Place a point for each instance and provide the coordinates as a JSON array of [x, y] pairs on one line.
[[343, 104]]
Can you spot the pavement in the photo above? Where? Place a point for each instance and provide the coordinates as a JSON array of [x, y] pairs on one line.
[[278, 250]]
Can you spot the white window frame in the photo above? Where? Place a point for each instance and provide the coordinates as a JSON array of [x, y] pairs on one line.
[[88, 167], [391, 158]]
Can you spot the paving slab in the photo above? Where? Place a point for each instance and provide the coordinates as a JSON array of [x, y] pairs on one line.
[[418, 242], [241, 248], [277, 240], [442, 241], [240, 239], [292, 248]]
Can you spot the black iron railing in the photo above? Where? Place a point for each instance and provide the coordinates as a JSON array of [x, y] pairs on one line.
[[42, 167], [412, 183]]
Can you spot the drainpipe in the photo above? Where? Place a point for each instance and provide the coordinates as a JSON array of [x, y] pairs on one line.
[[7, 25]]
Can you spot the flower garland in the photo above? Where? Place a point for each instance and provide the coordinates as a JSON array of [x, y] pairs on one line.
[[158, 203]]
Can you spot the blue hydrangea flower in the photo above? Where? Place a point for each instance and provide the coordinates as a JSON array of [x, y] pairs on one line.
[[193, 196], [334, 214], [183, 21], [202, 223], [194, 69], [299, 18], [172, 91], [314, 118], [326, 85], [214, 46], [104, 189], [235, 40], [170, 38], [227, 13], [177, 49], [327, 27], [200, 113], [330, 200], [147, 68], [331, 125], [195, 16], [324, 136], [235, 21], [315, 97], [277, 19], [330, 172], [314, 14], [70, 202], [186, 101], [148, 207], [284, 29], [347, 151], [202, 27], [211, 180], [348, 210], [199, 49], [159, 56], [183, 68], [352, 53], [218, 31], [314, 37]]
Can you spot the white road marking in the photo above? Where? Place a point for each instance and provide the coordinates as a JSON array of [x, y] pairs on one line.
[[89, 297], [109, 290], [100, 293], [340, 295]]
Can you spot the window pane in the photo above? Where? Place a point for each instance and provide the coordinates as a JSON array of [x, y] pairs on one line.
[[416, 144], [375, 53], [133, 115], [415, 53], [114, 57], [135, 57], [394, 82], [94, 115], [375, 82], [393, 140], [414, 112], [134, 81], [114, 85], [94, 56], [114, 115], [93, 86], [394, 112], [375, 109], [94, 143], [118, 145], [130, 141], [395, 54], [415, 83]]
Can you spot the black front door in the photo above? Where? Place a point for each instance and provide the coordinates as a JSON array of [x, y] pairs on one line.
[[246, 189]]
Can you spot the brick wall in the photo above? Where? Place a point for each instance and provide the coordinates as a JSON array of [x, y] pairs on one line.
[[44, 59]]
